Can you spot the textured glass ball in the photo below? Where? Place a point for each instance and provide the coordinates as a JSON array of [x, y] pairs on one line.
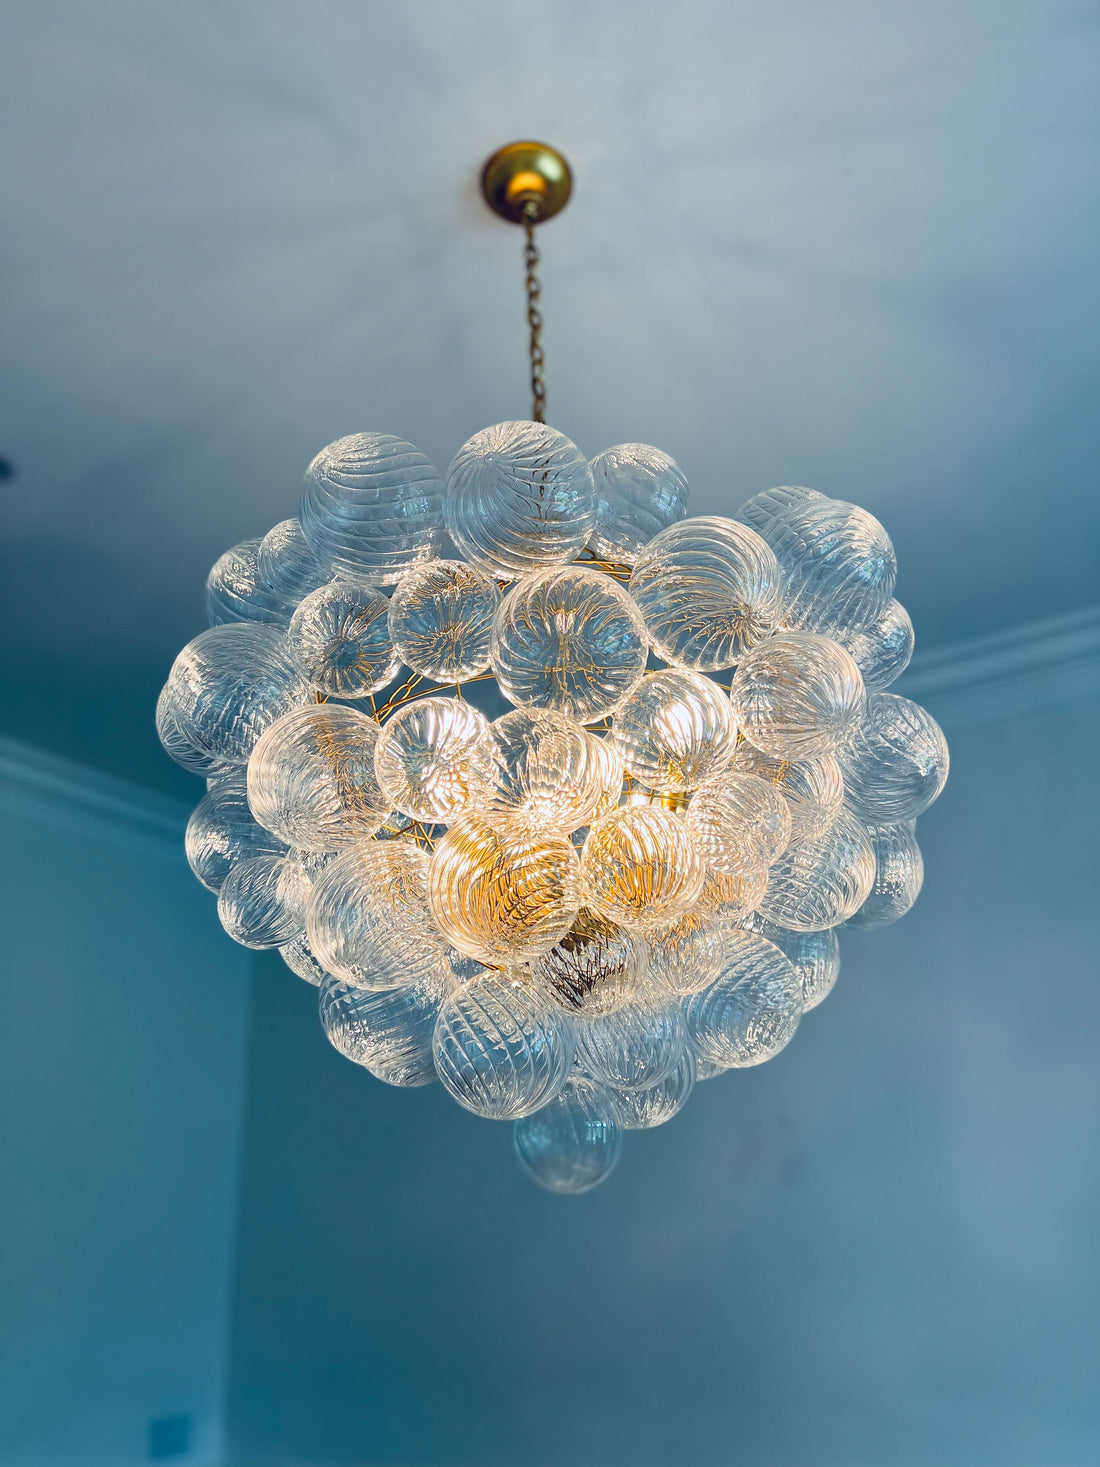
[[570, 640], [221, 833], [298, 956], [640, 491], [675, 731], [753, 1009], [311, 778], [609, 773], [708, 590], [637, 1046], [441, 617], [574, 1142], [519, 499], [230, 684], [593, 970], [727, 897], [640, 866], [899, 876], [815, 955], [821, 883], [424, 758], [501, 1049], [640, 1109], [390, 1032], [503, 897], [539, 769], [236, 591], [372, 505], [368, 920], [740, 823], [181, 749], [838, 566], [687, 956], [812, 788], [797, 696], [896, 764], [262, 901], [287, 564], [759, 511], [883, 651], [340, 636]]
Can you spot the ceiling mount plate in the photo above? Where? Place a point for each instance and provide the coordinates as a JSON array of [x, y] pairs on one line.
[[526, 180]]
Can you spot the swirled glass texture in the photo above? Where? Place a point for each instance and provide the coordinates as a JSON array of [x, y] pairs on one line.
[[815, 955], [708, 590], [441, 618], [821, 883], [687, 956], [675, 731], [740, 823], [236, 591], [752, 1011], [838, 566], [298, 956], [812, 788], [637, 1046], [180, 748], [640, 491], [609, 773], [539, 769], [574, 1142], [883, 651], [640, 866], [287, 564], [797, 696], [896, 763], [262, 901], [724, 896], [424, 758], [593, 970], [759, 511], [899, 876], [570, 640], [221, 833], [519, 499], [340, 637], [390, 1032], [642, 1108]]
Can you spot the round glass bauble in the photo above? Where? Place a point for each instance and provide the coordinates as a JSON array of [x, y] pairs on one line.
[[637, 1046], [236, 591], [298, 956], [821, 883], [262, 901], [609, 773], [752, 1011], [390, 1032], [812, 788], [883, 651], [687, 956], [740, 823], [640, 866], [441, 617], [340, 636], [899, 876], [539, 769], [759, 511], [731, 897], [815, 955], [675, 731], [642, 1108], [287, 564], [797, 696], [574, 1142], [640, 491], [424, 758], [180, 748], [896, 763], [593, 970], [221, 833], [838, 566]]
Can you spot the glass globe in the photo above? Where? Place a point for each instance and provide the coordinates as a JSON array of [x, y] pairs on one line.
[[653, 1105], [708, 590], [812, 788], [725, 896], [740, 823], [820, 883], [574, 1142], [897, 762], [675, 731], [340, 636], [298, 956], [221, 833], [815, 955], [311, 778], [262, 901], [441, 618], [503, 897], [570, 640], [424, 758], [640, 866], [639, 492], [372, 505], [609, 771], [236, 591], [759, 511], [637, 1046], [753, 1009], [686, 956], [899, 876], [390, 1032], [797, 696], [838, 566], [519, 499], [539, 769], [593, 970], [287, 564], [883, 651], [501, 1049], [181, 749]]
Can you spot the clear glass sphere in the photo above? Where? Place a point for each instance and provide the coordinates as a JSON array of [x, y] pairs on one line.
[[501, 1049], [424, 758], [640, 1109], [838, 566], [637, 1046], [503, 897], [298, 956], [340, 636], [640, 491], [229, 685], [288, 565], [797, 696], [262, 901], [759, 511], [372, 505], [570, 640], [724, 896], [883, 651], [539, 769], [753, 1009], [574, 1142], [236, 591], [178, 747], [390, 1032], [640, 866], [740, 823], [812, 788], [593, 970], [708, 590], [896, 764], [519, 499], [899, 876], [821, 883], [675, 731], [687, 956], [609, 769], [311, 778], [441, 618], [221, 833], [815, 955]]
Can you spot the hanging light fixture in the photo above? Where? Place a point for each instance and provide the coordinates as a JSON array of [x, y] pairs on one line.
[[632, 880]]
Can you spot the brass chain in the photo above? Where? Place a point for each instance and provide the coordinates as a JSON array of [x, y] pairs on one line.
[[534, 315]]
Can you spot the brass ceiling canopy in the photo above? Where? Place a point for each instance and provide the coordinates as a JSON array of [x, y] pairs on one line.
[[526, 182]]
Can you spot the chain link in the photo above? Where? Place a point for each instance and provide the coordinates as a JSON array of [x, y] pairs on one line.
[[534, 316]]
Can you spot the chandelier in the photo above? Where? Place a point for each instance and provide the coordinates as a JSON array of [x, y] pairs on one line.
[[631, 881]]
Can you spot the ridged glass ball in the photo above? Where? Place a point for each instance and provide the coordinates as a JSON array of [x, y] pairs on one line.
[[821, 883], [838, 566], [708, 590], [424, 758], [815, 955], [519, 499], [899, 876], [637, 1046], [812, 788], [740, 823], [390, 1032], [640, 1109], [570, 640], [230, 684], [441, 617], [503, 897], [897, 762], [759, 511], [640, 866], [262, 901], [675, 731], [593, 970], [609, 773], [236, 591], [298, 956], [372, 505], [752, 1011], [797, 696], [539, 769], [368, 920], [340, 636], [501, 1049], [180, 748], [640, 491], [221, 833], [311, 778], [883, 651], [687, 956], [724, 896], [574, 1142], [288, 565]]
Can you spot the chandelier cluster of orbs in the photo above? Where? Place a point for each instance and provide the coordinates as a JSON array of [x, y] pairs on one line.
[[632, 879]]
